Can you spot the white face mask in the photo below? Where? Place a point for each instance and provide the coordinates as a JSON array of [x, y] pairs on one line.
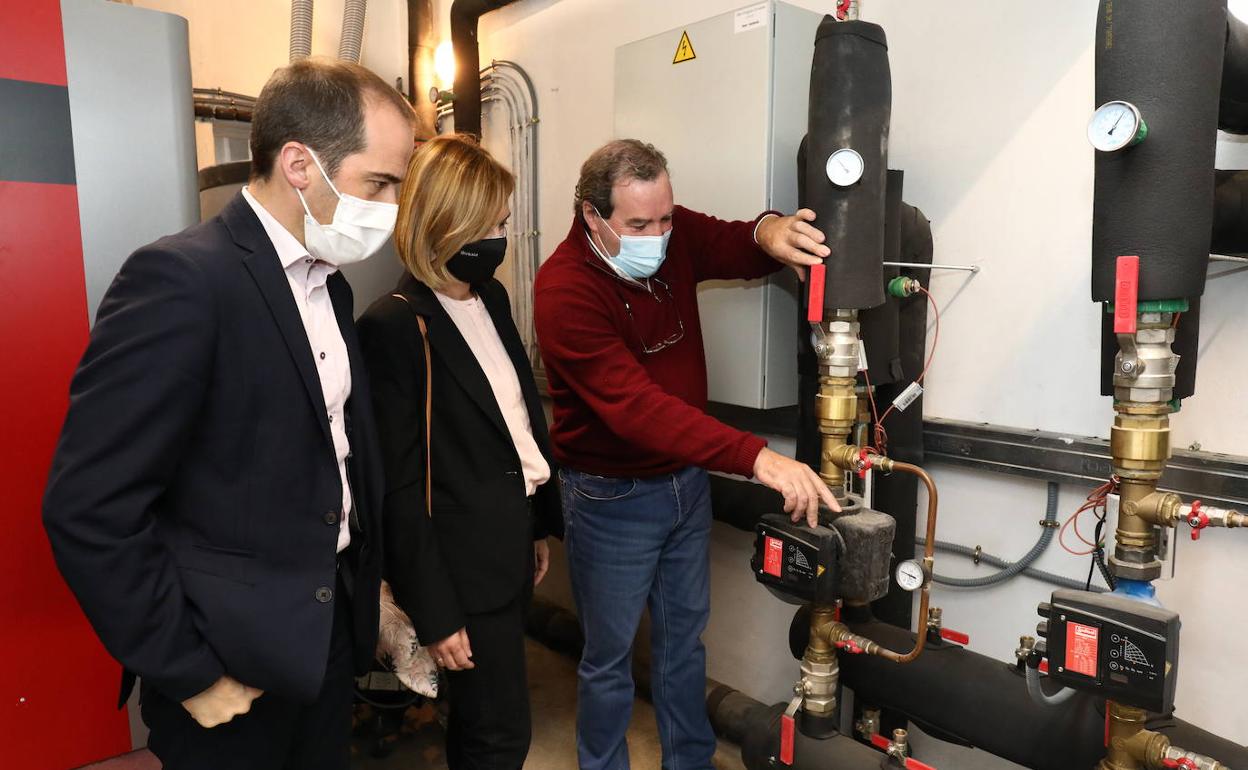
[[358, 230]]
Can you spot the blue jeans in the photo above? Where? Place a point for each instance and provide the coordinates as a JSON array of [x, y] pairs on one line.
[[633, 542]]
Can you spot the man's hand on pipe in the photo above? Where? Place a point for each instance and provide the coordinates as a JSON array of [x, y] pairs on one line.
[[802, 488], [792, 241]]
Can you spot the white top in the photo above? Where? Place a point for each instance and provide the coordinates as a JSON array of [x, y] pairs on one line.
[[307, 278], [477, 328]]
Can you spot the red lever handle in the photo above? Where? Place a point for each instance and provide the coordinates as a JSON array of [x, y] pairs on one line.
[[914, 764], [880, 742], [814, 304], [786, 739], [1126, 294], [956, 637], [864, 463], [849, 647], [1043, 668], [1197, 520], [1184, 763]]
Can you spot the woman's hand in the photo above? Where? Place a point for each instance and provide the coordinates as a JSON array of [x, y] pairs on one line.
[[541, 560], [453, 653]]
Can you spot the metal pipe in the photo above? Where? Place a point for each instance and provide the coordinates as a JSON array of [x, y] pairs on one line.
[[352, 30], [300, 29], [1228, 258], [925, 266], [465, 14]]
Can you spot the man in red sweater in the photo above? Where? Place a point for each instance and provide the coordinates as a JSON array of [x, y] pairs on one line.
[[617, 319]]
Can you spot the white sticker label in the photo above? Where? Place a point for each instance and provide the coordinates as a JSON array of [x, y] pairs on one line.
[[862, 356], [750, 17], [908, 396]]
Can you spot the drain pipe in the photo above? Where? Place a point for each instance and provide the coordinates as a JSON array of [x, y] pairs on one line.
[[352, 30], [300, 29], [464, 17]]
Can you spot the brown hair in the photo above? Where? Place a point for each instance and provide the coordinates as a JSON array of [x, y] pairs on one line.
[[319, 102], [618, 161], [450, 197]]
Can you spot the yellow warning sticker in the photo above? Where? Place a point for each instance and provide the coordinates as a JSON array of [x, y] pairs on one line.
[[684, 51]]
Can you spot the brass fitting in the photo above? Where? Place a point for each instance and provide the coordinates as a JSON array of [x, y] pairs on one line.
[[1139, 447], [1130, 746], [820, 668], [1160, 509], [848, 457]]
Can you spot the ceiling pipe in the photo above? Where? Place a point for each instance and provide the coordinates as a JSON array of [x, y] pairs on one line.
[[352, 37], [300, 29], [467, 104]]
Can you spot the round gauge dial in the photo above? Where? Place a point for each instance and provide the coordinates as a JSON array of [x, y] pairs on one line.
[[1115, 126], [845, 167], [910, 575]]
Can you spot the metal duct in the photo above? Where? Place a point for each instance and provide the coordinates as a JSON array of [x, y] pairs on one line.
[[464, 17], [1155, 199], [300, 29], [1233, 110], [850, 106], [352, 30]]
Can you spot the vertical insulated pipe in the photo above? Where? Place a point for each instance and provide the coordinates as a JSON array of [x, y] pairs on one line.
[[850, 67], [1155, 199], [352, 30], [300, 29]]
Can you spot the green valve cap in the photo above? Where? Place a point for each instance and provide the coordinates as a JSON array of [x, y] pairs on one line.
[[903, 286]]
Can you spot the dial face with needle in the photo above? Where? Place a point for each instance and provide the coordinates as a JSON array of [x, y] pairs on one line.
[[845, 167], [1114, 126], [910, 575]]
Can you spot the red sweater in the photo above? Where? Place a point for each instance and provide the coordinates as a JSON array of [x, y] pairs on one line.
[[619, 411]]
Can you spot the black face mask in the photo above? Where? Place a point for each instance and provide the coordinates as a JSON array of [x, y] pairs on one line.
[[477, 261]]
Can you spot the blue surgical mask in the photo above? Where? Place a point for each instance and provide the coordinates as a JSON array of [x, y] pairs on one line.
[[640, 255]]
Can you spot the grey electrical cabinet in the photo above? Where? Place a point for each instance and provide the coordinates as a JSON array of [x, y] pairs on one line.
[[725, 100]]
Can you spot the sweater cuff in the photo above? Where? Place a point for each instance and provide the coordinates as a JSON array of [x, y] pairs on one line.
[[759, 221], [747, 453]]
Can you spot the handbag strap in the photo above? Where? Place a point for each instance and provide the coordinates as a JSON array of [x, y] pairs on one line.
[[424, 338]]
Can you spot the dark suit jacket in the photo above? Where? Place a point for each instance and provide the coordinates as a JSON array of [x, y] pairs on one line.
[[475, 553], [194, 499]]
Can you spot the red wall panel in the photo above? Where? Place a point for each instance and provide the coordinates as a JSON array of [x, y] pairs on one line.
[[31, 45]]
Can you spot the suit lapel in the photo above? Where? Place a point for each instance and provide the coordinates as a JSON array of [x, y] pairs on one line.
[[452, 350], [266, 271]]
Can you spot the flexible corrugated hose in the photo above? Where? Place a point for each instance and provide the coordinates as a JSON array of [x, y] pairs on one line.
[[1011, 569], [352, 30], [300, 29], [1037, 693]]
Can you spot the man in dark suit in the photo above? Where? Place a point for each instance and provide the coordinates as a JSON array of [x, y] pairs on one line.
[[214, 499]]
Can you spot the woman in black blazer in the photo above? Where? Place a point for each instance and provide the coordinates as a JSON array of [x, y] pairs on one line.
[[464, 568]]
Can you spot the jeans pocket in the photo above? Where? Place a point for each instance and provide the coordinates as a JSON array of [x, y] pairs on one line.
[[600, 489]]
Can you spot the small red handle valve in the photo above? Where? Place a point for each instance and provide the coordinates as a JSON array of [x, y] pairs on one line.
[[957, 637], [914, 764], [849, 646], [1197, 520], [885, 745], [1184, 762], [864, 463]]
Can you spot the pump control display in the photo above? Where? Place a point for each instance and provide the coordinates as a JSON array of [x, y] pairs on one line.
[[1123, 649], [796, 560]]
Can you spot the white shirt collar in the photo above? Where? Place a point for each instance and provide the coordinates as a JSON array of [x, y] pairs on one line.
[[289, 249]]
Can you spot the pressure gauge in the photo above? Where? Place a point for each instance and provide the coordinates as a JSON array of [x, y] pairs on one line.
[[845, 167], [1115, 126], [910, 575]]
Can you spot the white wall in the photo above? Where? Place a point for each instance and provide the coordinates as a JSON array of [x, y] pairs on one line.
[[989, 110]]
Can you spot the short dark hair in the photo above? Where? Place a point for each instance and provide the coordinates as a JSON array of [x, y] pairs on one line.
[[319, 102], [615, 162]]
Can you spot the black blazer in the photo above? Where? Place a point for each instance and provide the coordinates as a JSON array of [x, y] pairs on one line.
[[194, 499], [475, 553]]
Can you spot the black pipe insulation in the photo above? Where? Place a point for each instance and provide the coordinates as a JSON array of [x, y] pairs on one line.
[[850, 67], [1230, 213], [1155, 199], [1233, 110], [880, 325], [965, 697], [465, 14]]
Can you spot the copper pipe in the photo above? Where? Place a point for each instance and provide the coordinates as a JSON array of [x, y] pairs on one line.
[[929, 547]]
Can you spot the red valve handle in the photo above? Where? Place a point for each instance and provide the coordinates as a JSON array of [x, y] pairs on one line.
[[849, 646], [1197, 520], [1184, 762], [787, 728], [842, 9], [914, 764], [814, 303], [864, 463], [1126, 294], [1043, 668], [880, 742], [956, 637]]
